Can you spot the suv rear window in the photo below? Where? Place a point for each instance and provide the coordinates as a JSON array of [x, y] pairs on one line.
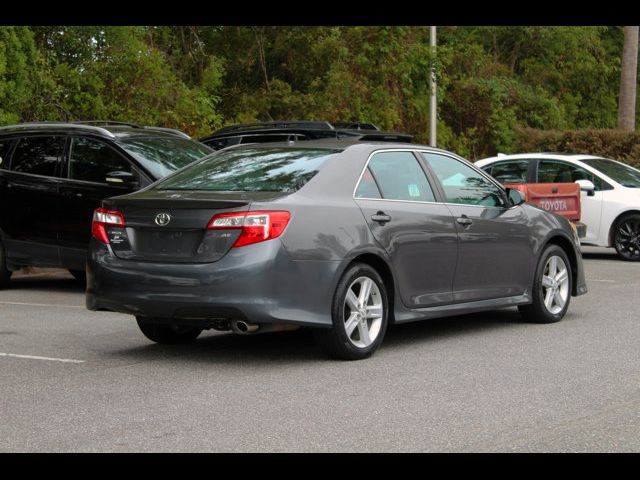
[[164, 155], [5, 146], [251, 170], [38, 155]]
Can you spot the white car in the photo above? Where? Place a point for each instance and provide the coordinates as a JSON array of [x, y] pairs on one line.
[[610, 197]]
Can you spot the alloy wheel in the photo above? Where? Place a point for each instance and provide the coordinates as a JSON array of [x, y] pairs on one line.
[[362, 312], [628, 239], [555, 284]]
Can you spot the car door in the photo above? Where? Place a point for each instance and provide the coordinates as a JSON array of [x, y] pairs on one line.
[[88, 163], [558, 171], [495, 256], [31, 200], [419, 234]]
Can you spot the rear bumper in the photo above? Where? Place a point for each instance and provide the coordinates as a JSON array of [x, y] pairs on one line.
[[258, 283]]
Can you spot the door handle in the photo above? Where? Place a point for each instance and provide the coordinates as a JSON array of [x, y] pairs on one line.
[[381, 217], [464, 221]]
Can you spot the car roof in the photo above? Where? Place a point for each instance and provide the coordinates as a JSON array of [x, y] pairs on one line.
[[548, 155], [106, 129], [340, 144]]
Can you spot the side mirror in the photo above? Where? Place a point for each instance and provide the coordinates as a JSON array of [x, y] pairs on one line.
[[516, 197], [122, 179], [587, 186]]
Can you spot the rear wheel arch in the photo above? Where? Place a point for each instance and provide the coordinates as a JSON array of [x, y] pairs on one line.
[[381, 266], [615, 222]]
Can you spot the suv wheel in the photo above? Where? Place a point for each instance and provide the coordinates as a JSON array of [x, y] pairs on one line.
[[359, 315], [551, 287], [5, 274], [626, 237], [166, 333]]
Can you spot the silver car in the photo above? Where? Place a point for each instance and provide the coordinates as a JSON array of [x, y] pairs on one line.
[[342, 236]]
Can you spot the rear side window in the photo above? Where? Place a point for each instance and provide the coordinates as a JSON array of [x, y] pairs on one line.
[[5, 148], [395, 176], [91, 160], [555, 171], [251, 170], [38, 155], [514, 171]]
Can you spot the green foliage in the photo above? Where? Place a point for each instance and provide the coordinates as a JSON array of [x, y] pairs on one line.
[[17, 62], [492, 81], [610, 143]]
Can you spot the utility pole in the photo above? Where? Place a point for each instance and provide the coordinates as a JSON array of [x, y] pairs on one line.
[[627, 98], [432, 87]]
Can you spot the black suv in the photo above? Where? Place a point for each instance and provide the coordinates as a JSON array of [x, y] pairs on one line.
[[263, 132], [53, 176]]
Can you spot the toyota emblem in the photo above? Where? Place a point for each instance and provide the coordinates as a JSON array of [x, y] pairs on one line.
[[163, 219]]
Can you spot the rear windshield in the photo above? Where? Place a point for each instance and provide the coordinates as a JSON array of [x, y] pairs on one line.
[[623, 174], [251, 170], [164, 155]]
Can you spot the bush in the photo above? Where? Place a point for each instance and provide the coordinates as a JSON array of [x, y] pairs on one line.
[[615, 144]]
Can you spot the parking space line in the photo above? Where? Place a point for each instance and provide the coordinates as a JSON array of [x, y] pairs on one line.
[[48, 359], [41, 305], [600, 280]]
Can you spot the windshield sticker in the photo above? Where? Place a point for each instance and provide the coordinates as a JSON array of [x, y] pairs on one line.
[[414, 191]]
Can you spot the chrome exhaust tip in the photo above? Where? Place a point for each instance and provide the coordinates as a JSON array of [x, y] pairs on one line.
[[241, 327]]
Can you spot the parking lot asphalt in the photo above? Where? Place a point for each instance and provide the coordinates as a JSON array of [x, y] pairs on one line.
[[74, 380]]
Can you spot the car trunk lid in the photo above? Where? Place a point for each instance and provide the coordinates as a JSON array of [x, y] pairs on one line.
[[171, 226]]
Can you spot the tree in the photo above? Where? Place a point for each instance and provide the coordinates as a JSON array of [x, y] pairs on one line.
[[628, 82]]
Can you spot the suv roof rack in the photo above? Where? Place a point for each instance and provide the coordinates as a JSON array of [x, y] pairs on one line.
[[107, 123], [285, 124], [41, 125], [172, 131], [386, 137], [355, 126]]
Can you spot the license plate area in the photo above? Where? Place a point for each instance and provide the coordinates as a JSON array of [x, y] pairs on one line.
[[161, 243]]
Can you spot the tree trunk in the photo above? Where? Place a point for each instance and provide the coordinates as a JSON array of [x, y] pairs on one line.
[[628, 76]]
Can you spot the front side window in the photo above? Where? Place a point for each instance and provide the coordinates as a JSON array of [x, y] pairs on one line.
[[91, 160], [38, 155], [395, 176], [556, 171], [513, 171], [623, 174], [251, 170], [462, 184], [164, 155]]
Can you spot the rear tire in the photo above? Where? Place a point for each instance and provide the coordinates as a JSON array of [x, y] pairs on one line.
[[359, 315], [626, 237], [167, 334], [552, 287], [5, 273]]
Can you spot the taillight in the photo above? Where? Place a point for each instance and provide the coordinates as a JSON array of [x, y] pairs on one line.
[[103, 217], [256, 226]]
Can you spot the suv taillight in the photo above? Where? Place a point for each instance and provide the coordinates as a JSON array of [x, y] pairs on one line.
[[256, 226], [103, 217]]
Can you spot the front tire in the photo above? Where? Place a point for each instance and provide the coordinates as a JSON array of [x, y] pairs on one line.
[[167, 334], [626, 237], [552, 287], [359, 315], [5, 273]]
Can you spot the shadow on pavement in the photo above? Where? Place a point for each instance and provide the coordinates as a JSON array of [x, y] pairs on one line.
[[299, 345], [54, 282]]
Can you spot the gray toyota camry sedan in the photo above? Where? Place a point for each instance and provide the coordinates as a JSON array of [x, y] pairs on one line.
[[342, 236]]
